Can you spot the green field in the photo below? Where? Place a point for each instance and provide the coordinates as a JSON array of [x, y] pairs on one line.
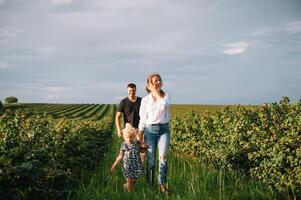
[[95, 111], [189, 177], [182, 109], [68, 111]]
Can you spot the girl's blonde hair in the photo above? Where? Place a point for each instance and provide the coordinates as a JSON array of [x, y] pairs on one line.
[[129, 130], [149, 80]]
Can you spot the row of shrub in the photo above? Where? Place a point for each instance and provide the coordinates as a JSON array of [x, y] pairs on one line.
[[43, 158], [263, 141]]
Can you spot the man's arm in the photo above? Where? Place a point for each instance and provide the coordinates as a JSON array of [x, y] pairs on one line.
[[118, 126]]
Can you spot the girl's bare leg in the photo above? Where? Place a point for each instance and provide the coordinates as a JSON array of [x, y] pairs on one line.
[[143, 156], [130, 184]]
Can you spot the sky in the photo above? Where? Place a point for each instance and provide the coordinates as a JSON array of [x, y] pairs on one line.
[[207, 51]]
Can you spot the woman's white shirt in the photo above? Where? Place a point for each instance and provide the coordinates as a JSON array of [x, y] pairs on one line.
[[154, 112]]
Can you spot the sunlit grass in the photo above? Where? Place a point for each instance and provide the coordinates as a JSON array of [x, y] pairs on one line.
[[188, 179]]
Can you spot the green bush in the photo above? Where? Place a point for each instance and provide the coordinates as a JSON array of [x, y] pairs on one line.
[[264, 142], [9, 100], [42, 158]]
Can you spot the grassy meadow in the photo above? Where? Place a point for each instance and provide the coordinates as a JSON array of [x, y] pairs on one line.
[[187, 179]]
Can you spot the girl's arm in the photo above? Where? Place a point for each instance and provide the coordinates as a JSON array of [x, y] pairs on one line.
[[118, 159]]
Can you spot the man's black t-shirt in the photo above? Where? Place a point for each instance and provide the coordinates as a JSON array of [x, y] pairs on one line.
[[130, 111]]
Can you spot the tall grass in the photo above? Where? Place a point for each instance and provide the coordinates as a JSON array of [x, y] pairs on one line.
[[188, 179]]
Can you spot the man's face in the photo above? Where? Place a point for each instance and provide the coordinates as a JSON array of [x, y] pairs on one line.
[[131, 92]]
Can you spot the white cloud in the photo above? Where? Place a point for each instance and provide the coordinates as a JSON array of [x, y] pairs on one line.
[[236, 48], [293, 27], [60, 2], [3, 65], [44, 88], [262, 32], [54, 96], [46, 50], [8, 32], [55, 89], [287, 34]]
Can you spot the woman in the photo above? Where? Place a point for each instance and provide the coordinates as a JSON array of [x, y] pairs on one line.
[[154, 125]]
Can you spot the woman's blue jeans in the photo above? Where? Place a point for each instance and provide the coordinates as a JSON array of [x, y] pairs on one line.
[[157, 135]]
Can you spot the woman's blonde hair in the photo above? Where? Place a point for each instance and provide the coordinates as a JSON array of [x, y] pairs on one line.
[[149, 80]]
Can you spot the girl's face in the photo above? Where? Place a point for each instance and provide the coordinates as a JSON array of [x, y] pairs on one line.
[[129, 138], [157, 82]]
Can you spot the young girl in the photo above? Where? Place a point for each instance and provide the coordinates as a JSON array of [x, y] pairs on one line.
[[130, 154]]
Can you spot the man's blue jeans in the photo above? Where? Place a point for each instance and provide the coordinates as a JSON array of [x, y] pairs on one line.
[[157, 135]]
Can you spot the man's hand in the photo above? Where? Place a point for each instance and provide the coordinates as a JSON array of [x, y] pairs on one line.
[[119, 133], [117, 121]]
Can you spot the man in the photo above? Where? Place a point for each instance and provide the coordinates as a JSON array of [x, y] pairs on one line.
[[129, 108]]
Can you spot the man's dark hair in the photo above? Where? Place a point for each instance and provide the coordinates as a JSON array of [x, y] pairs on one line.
[[131, 85]]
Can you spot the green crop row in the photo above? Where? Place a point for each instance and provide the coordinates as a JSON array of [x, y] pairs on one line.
[[69, 111], [43, 158], [263, 141]]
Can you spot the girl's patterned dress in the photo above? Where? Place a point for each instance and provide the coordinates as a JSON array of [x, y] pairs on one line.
[[132, 164]]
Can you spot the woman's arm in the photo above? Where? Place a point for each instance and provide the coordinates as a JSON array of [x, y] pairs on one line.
[[143, 115]]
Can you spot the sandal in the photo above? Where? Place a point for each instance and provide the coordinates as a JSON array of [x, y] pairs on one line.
[[125, 188], [162, 188]]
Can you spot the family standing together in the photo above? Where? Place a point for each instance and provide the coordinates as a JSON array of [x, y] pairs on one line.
[[146, 123]]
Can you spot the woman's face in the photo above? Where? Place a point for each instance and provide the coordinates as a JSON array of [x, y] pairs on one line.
[[156, 81]]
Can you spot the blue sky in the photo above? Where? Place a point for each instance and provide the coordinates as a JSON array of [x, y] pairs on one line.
[[207, 51]]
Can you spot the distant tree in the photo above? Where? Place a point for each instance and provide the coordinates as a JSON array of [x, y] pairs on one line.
[[1, 106], [9, 100]]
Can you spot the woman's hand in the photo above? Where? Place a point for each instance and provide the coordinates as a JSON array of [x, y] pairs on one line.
[[155, 91], [151, 87]]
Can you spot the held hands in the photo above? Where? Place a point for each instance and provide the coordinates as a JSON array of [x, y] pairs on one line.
[[143, 147], [142, 142]]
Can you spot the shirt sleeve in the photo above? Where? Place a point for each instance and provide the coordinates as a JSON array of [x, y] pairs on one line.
[[120, 107], [143, 115]]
